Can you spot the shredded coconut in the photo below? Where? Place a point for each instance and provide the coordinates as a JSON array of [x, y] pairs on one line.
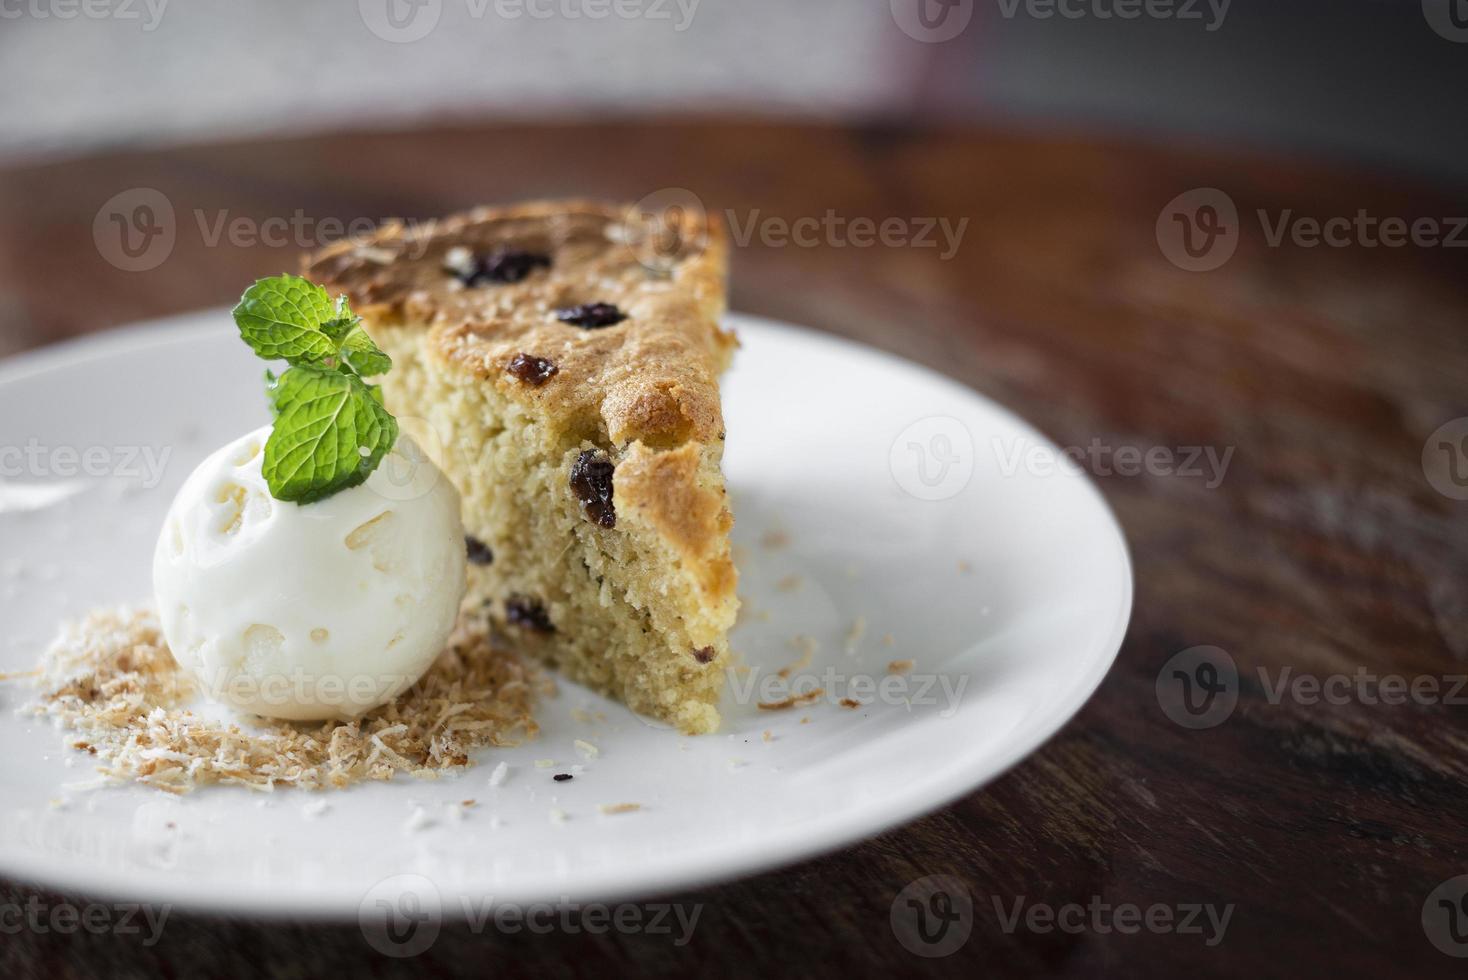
[[112, 681]]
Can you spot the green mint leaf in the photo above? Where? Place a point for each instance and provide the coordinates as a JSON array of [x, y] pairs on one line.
[[362, 355], [330, 434], [281, 317]]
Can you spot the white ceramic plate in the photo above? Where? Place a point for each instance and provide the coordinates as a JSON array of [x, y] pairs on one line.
[[912, 505]]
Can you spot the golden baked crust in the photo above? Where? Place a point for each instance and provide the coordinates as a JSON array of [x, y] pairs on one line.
[[651, 377]]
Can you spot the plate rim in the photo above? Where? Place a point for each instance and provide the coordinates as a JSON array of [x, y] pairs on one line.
[[708, 868]]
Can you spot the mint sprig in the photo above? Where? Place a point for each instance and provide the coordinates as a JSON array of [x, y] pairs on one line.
[[330, 430]]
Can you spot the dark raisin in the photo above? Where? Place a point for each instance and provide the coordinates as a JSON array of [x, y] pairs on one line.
[[500, 266], [591, 481], [531, 369], [522, 610], [479, 552], [591, 315], [703, 654], [561, 777]]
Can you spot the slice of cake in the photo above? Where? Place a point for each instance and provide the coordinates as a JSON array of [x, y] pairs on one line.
[[565, 355]]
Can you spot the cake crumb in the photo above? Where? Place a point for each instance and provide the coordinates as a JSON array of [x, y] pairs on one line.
[[964, 568], [500, 774], [855, 633], [775, 539], [793, 700], [611, 808], [899, 666], [545, 763], [850, 703], [587, 749], [805, 720], [888, 640], [558, 816], [767, 735], [790, 583]]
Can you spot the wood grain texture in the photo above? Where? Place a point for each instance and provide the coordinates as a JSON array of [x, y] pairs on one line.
[[1323, 549]]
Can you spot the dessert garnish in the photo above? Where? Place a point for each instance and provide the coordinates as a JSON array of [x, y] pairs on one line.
[[331, 429]]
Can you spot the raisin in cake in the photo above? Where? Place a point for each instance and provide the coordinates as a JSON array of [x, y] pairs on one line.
[[568, 363]]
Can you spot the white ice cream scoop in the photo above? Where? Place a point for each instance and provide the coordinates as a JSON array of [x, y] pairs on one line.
[[316, 611]]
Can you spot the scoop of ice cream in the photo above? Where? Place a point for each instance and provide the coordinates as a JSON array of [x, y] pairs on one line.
[[315, 611]]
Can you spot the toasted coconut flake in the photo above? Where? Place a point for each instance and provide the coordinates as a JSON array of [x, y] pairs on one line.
[[611, 808], [112, 680]]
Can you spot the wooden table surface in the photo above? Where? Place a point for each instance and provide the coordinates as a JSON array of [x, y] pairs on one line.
[[1326, 550]]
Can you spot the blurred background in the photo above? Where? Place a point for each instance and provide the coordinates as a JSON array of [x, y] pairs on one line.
[[1378, 83]]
